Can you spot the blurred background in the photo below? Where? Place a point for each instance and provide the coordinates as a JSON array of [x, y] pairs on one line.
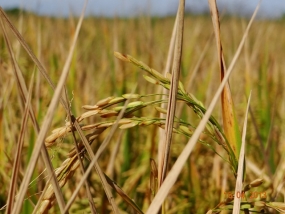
[[143, 30], [268, 9]]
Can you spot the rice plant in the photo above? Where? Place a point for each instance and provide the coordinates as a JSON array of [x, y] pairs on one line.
[[112, 145]]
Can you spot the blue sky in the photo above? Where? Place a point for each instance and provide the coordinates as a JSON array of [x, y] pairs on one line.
[[269, 8]]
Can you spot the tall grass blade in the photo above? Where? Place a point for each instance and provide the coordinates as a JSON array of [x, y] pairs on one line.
[[123, 195], [230, 124], [241, 164], [18, 154], [172, 94], [153, 178], [167, 69]]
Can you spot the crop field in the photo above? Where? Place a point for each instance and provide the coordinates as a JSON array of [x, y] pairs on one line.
[[112, 111]]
